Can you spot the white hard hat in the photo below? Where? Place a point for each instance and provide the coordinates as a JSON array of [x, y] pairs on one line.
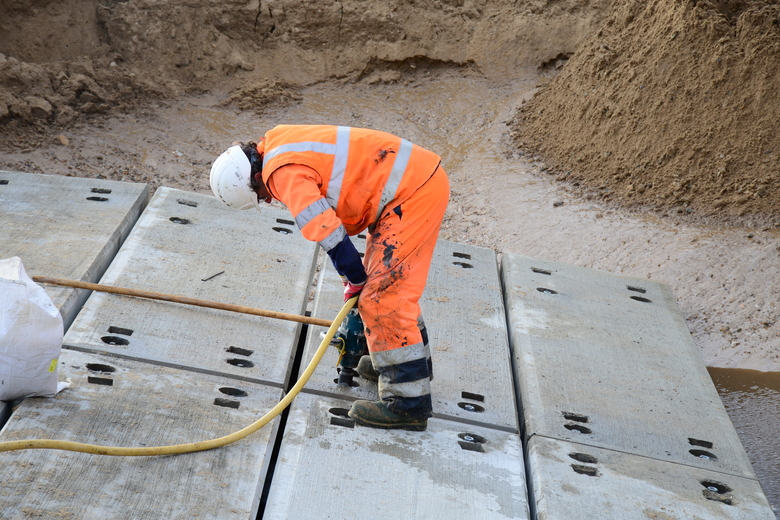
[[230, 179]]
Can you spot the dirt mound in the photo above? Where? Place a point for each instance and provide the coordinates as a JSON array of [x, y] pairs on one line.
[[671, 104], [58, 93], [668, 105], [66, 58], [55, 68]]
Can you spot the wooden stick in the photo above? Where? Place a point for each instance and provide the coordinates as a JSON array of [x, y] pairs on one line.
[[182, 299]]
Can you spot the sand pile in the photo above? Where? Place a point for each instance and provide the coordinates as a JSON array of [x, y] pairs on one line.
[[671, 104]]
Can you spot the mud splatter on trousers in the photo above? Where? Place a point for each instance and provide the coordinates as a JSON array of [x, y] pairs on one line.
[[398, 257]]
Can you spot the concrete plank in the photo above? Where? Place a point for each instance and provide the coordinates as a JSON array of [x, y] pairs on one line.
[[328, 470], [66, 227], [571, 480], [189, 244], [464, 314], [607, 360], [146, 405]]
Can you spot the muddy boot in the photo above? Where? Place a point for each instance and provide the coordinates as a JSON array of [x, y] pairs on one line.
[[365, 369], [376, 415]]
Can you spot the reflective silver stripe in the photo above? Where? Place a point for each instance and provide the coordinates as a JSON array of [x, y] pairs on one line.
[[397, 356], [303, 146], [339, 151], [396, 176], [411, 389], [339, 166], [334, 239], [318, 207]]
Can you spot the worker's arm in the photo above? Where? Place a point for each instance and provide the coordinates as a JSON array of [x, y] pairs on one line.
[[298, 187]]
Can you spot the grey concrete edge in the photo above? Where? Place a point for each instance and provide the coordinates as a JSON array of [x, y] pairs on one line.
[[105, 257], [501, 264]]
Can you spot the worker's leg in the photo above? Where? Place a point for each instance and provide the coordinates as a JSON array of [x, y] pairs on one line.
[[366, 369], [398, 257]]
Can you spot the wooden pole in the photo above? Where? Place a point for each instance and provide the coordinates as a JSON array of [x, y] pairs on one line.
[[182, 299]]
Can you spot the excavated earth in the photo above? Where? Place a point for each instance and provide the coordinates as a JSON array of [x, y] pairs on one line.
[[635, 136], [670, 105]]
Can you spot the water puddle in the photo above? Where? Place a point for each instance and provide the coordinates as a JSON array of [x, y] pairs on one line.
[[752, 399]]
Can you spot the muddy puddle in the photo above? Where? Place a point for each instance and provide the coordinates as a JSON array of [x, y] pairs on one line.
[[752, 399], [725, 279]]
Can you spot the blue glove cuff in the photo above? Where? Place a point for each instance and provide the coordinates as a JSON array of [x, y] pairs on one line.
[[347, 261]]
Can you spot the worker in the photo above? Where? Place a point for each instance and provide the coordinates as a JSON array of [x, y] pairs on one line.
[[339, 181]]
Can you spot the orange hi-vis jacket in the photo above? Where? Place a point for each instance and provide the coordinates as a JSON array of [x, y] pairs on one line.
[[350, 176]]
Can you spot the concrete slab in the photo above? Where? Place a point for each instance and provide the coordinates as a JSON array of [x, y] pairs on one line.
[[572, 480], [464, 313], [189, 244], [607, 361], [144, 405], [328, 469], [66, 227]]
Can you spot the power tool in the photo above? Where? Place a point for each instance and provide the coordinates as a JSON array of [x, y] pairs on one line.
[[350, 341]]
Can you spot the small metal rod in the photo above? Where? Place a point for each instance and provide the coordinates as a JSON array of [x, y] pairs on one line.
[[182, 299], [212, 276]]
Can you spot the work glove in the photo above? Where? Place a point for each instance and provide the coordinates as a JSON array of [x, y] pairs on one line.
[[351, 289]]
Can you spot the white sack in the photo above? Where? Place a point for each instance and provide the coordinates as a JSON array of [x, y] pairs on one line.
[[30, 335]]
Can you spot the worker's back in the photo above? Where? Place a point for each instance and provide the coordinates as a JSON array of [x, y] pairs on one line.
[[357, 166]]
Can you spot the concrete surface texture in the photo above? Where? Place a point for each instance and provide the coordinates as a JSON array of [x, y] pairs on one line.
[[66, 227], [613, 403], [191, 245], [607, 362], [329, 468], [121, 402], [573, 480]]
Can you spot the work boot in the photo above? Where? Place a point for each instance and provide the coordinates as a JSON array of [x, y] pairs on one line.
[[376, 415], [365, 369]]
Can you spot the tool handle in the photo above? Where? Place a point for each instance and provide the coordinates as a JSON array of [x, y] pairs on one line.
[[182, 299]]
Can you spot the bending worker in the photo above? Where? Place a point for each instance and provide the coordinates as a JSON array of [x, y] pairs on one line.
[[339, 181]]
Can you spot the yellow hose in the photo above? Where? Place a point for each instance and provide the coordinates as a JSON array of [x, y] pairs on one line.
[[193, 446]]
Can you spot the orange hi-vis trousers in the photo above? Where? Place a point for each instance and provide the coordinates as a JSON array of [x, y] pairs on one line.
[[397, 259]]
